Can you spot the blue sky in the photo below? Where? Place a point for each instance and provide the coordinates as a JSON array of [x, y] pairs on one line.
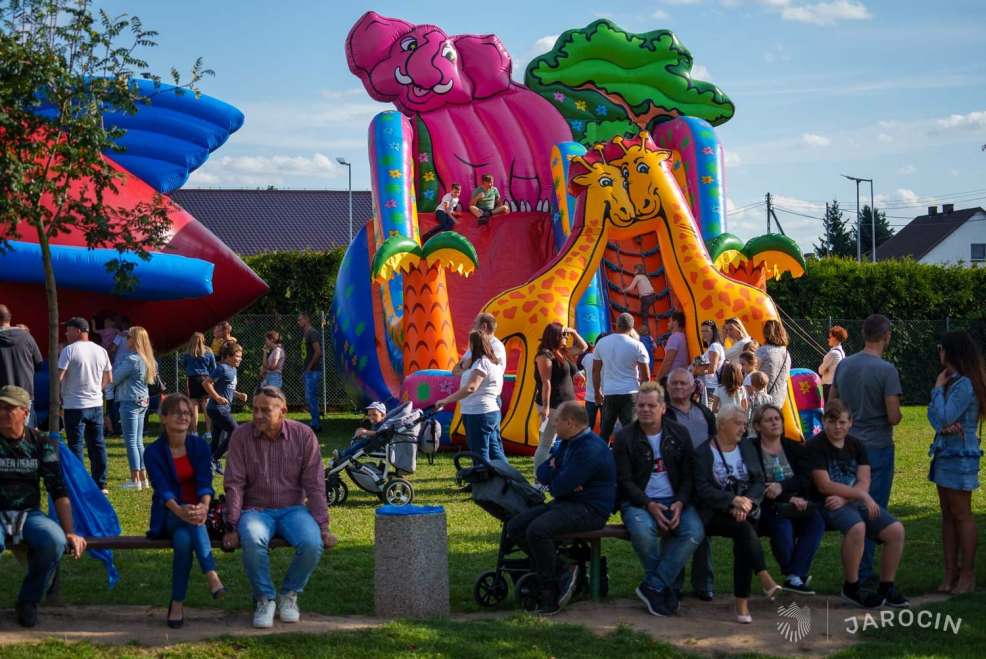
[[893, 90]]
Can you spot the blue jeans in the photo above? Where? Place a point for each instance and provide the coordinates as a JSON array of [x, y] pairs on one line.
[[793, 541], [881, 479], [313, 397], [186, 540], [273, 380], [483, 435], [592, 410], [663, 558], [223, 425], [296, 525], [87, 424], [132, 415], [45, 542]]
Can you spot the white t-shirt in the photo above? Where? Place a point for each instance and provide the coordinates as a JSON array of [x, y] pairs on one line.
[[590, 387], [483, 400], [448, 203], [734, 465], [84, 363], [711, 379], [830, 362], [727, 400], [499, 351], [620, 354], [642, 284], [659, 485]]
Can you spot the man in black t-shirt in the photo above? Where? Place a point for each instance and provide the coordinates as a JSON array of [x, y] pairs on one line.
[[841, 474], [27, 457], [313, 368], [19, 355]]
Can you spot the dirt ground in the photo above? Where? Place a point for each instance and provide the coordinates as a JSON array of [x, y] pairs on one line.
[[704, 628]]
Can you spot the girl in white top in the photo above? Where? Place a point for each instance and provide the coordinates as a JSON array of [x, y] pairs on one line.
[[713, 359], [272, 368], [730, 392], [734, 330], [837, 334]]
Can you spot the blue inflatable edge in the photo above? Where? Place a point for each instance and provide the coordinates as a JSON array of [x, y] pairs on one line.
[[408, 509]]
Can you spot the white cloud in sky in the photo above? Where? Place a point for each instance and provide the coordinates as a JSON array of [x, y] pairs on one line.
[[814, 139], [545, 43], [700, 72], [680, 2], [660, 15], [971, 121], [886, 139], [733, 159], [823, 13], [261, 170], [907, 170]]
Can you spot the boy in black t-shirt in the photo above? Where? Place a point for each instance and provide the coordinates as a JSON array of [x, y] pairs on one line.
[[841, 474]]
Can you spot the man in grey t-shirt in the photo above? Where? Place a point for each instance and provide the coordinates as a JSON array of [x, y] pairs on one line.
[[870, 388]]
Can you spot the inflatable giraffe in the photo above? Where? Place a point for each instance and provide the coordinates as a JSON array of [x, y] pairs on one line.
[[551, 295], [703, 292]]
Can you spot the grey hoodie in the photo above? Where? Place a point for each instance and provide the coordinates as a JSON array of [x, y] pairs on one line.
[[19, 358]]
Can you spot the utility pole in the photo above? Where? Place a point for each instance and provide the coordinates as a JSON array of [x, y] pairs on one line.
[[772, 214], [769, 210], [349, 166], [859, 220]]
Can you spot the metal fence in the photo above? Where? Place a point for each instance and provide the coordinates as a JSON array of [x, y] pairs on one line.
[[913, 347], [250, 331]]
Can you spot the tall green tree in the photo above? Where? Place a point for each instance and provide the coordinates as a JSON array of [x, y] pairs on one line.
[[836, 238], [77, 63], [883, 229]]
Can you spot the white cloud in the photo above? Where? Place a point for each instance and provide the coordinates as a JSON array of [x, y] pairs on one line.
[[700, 72], [259, 170], [901, 197], [680, 2], [883, 137], [733, 159], [814, 139], [907, 170], [660, 15], [825, 13], [545, 43], [971, 121]]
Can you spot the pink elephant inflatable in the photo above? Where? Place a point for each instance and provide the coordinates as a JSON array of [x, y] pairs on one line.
[[469, 118]]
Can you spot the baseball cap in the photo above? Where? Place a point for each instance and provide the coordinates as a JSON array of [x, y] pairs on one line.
[[379, 407], [13, 395], [78, 323]]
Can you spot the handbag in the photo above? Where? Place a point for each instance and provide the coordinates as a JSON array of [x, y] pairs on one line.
[[736, 486], [215, 519]]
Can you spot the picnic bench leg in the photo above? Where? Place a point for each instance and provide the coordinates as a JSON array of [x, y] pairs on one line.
[[594, 568]]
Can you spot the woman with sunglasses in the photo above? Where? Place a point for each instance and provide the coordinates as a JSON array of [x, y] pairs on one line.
[[958, 406], [180, 469]]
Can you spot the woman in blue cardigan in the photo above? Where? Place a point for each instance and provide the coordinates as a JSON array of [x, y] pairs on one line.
[[180, 468]]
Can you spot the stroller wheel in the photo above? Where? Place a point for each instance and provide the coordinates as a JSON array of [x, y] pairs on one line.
[[490, 589], [528, 591], [398, 492], [337, 493]]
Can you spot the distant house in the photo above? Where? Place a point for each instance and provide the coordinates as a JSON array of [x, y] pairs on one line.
[[948, 237], [255, 221]]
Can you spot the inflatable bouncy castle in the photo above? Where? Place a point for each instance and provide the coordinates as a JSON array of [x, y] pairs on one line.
[[191, 283], [608, 159]]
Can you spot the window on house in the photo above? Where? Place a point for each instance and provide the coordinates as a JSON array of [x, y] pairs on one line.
[[978, 252]]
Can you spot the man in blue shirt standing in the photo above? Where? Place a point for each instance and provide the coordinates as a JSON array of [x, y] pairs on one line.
[[581, 476]]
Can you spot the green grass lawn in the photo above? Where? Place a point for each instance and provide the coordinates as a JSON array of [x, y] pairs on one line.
[[343, 583]]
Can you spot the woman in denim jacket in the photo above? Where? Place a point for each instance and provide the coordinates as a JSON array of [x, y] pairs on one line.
[[958, 404], [131, 375]]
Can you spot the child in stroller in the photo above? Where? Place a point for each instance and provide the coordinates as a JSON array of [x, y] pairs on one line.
[[503, 492], [375, 413]]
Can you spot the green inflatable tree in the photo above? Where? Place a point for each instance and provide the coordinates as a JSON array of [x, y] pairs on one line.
[[606, 81]]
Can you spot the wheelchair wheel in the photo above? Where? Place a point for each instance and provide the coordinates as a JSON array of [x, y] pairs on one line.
[[398, 492], [337, 493], [528, 592], [490, 589]]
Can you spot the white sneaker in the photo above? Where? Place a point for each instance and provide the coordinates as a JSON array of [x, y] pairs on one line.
[[287, 607], [130, 485], [263, 616]]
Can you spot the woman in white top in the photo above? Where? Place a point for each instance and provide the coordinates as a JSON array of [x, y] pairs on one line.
[[775, 361], [734, 330], [713, 358], [479, 388], [837, 334]]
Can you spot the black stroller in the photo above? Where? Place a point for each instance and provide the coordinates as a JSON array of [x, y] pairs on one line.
[[378, 464], [503, 492]]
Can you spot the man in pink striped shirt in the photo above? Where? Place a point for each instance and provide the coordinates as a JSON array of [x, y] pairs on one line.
[[274, 465]]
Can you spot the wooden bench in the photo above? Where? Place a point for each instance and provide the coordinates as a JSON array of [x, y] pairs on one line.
[[595, 538]]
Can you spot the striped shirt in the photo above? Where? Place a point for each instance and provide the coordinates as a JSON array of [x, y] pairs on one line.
[[264, 473]]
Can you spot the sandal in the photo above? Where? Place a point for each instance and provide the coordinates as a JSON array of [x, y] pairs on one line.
[[175, 624]]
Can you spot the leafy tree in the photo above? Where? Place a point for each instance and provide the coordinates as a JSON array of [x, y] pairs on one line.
[[607, 81], [883, 230], [836, 238], [62, 66]]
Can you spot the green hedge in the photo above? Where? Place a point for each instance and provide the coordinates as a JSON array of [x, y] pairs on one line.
[[898, 289], [298, 280]]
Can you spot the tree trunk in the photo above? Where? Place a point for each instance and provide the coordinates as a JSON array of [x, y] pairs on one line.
[[429, 338], [51, 295]]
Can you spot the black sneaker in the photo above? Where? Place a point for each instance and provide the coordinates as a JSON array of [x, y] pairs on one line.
[[655, 600], [866, 599], [705, 595], [672, 599], [894, 599], [800, 588], [567, 584], [27, 614], [549, 605]]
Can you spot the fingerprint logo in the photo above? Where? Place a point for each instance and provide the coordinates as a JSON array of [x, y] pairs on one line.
[[795, 622]]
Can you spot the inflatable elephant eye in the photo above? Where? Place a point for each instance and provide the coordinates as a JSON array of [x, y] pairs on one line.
[[448, 52], [409, 44]]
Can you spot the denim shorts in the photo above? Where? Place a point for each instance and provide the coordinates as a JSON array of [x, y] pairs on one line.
[[955, 462], [854, 512]]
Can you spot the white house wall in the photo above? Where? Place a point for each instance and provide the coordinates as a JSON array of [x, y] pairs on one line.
[[956, 248]]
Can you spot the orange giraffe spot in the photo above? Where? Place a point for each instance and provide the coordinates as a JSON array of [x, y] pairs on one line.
[[738, 304], [560, 310], [530, 304], [707, 303], [693, 275], [757, 314], [517, 295], [548, 283], [724, 298], [745, 293], [510, 313], [720, 315], [561, 290], [533, 319], [708, 284]]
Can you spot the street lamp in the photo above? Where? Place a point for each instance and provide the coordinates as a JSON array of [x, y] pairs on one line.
[[859, 217], [348, 165]]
